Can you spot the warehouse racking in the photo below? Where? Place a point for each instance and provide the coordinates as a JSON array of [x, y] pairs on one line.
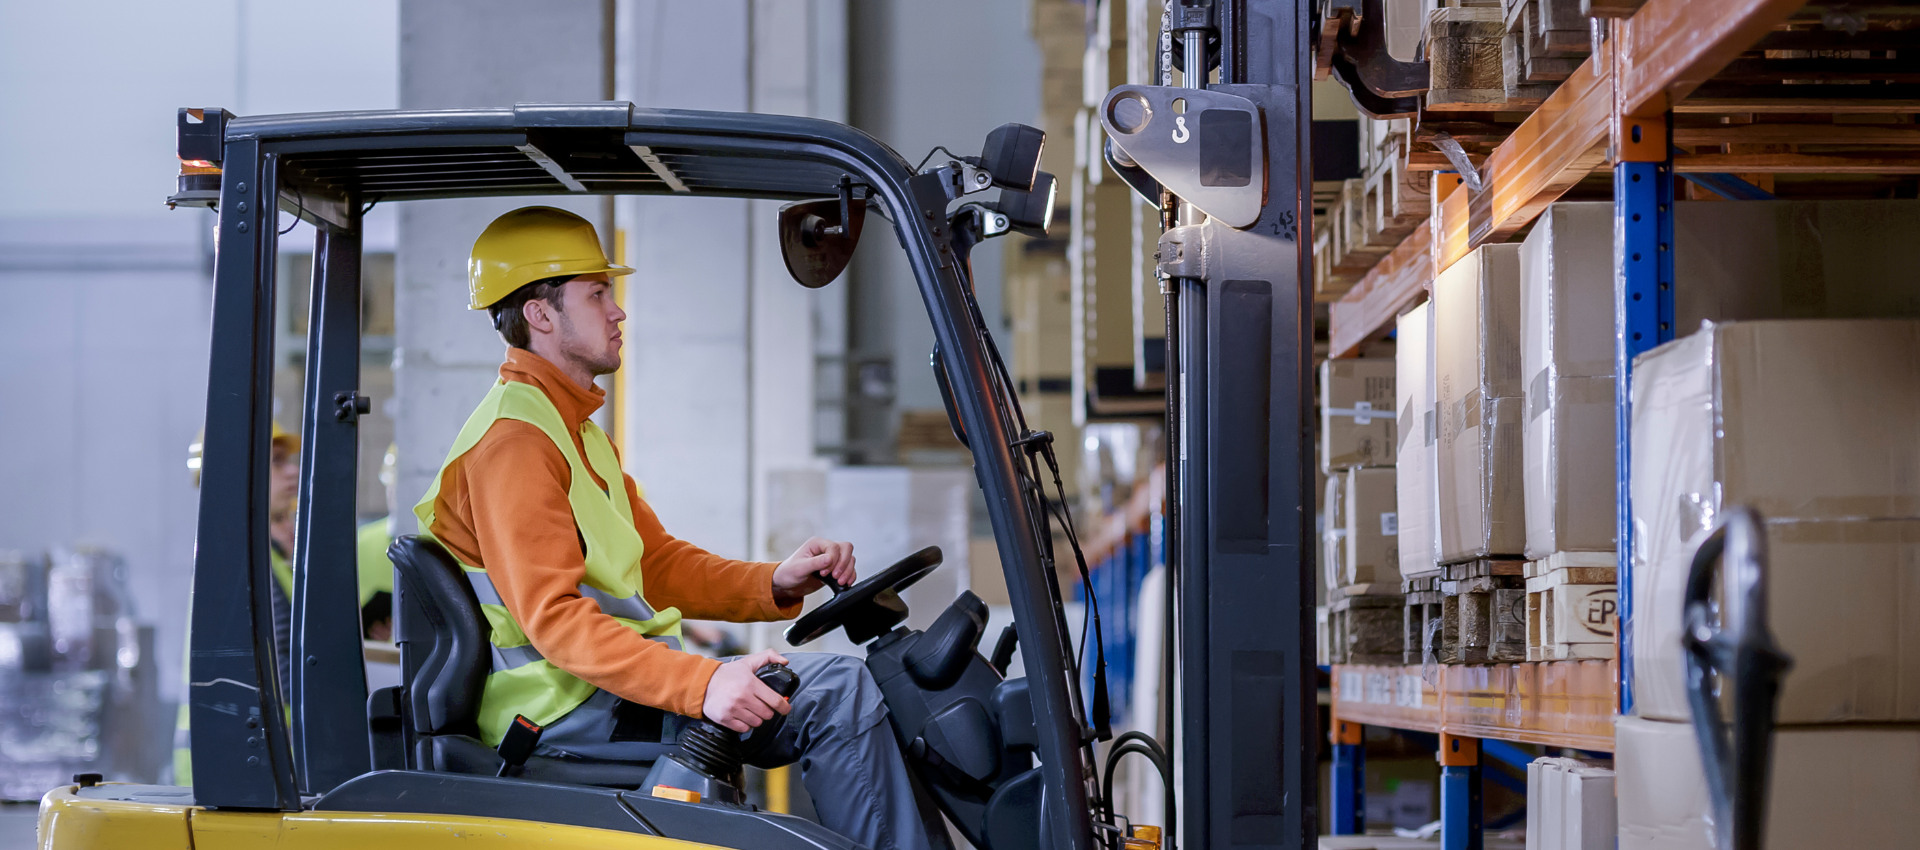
[[1614, 113], [1724, 95]]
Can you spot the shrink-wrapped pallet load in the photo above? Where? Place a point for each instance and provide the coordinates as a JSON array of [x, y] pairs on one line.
[[1415, 492], [1479, 402], [1812, 424]]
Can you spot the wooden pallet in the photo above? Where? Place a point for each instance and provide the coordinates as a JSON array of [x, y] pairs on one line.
[[1463, 55], [1364, 630], [1489, 617], [1546, 41], [1423, 636], [1483, 567], [1372, 216], [1572, 604]]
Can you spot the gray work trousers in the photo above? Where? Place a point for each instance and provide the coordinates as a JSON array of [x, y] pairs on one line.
[[837, 732]]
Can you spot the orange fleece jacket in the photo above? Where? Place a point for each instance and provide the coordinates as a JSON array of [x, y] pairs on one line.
[[503, 507]]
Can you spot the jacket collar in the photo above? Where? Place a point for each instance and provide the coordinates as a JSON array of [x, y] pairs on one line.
[[574, 402]]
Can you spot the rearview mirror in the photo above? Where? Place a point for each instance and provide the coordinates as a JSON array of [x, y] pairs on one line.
[[817, 237]]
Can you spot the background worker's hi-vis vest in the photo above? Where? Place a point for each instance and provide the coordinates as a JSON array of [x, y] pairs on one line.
[[523, 682]]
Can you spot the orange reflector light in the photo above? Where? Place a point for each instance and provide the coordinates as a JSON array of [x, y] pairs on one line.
[[198, 166], [669, 792]]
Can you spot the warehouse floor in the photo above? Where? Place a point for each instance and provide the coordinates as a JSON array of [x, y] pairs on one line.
[[16, 825]]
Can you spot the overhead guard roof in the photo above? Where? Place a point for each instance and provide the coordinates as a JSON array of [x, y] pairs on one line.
[[549, 149]]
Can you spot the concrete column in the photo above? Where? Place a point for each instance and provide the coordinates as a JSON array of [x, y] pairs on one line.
[[457, 53], [924, 74], [719, 386]]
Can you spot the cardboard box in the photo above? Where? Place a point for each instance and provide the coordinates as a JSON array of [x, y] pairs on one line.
[[1372, 562], [1843, 599], [1812, 423], [1356, 413], [1416, 496], [1480, 398], [1566, 355], [1830, 787], [1794, 260], [1570, 805]]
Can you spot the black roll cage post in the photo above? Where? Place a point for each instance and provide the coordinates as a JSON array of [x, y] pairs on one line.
[[244, 754]]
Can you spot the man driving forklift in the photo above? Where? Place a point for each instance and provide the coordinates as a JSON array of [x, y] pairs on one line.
[[584, 589]]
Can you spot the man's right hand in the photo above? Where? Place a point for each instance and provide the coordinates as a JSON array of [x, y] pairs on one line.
[[737, 699]]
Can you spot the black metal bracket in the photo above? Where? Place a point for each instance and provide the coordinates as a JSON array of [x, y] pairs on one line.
[[349, 406], [1353, 43]]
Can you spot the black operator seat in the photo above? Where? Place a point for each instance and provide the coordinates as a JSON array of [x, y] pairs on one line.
[[442, 697]]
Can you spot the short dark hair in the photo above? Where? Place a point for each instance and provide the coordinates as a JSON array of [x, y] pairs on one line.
[[509, 317]]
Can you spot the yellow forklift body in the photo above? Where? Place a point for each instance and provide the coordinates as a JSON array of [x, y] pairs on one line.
[[71, 822]]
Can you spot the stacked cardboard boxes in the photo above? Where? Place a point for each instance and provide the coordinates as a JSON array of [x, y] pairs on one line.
[[1566, 357], [1360, 532], [1479, 404], [1811, 423]]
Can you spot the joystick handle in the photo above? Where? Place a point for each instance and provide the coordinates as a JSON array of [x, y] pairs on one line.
[[780, 678]]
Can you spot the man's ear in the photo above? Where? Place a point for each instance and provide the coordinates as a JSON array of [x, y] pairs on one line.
[[538, 314]]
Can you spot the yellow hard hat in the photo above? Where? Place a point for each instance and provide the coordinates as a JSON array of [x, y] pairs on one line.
[[529, 244], [197, 448]]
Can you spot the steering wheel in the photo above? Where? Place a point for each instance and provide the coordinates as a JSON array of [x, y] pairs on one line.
[[868, 609]]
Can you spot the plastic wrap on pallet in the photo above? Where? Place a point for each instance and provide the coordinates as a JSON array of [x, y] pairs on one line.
[[1333, 537], [1415, 493], [1356, 413], [1479, 402], [1794, 260], [1566, 355], [1812, 424], [1830, 787]]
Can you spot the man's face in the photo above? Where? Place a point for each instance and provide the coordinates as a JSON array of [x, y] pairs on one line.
[[283, 478], [588, 324]]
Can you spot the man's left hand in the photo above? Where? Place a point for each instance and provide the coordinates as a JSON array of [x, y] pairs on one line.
[[800, 574]]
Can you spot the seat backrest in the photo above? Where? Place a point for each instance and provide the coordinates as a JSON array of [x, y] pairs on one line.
[[443, 696]]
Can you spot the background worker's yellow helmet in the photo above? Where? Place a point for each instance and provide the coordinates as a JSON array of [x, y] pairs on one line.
[[196, 448], [529, 244]]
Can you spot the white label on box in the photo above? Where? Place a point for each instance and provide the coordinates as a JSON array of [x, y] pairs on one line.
[[1353, 686], [1407, 691], [1379, 689], [1390, 524]]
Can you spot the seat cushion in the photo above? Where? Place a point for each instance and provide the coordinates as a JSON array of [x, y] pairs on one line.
[[462, 754]]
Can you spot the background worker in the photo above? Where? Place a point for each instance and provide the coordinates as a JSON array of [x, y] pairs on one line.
[[283, 488], [584, 589]]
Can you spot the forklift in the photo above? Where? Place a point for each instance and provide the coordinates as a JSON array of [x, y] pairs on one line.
[[1010, 762]]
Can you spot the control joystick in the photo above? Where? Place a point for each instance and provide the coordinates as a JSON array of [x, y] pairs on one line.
[[709, 760]]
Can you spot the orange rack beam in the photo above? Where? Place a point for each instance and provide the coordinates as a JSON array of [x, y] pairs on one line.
[[1555, 703]]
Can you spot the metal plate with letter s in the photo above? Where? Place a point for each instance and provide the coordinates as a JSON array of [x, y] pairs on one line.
[[1207, 147]]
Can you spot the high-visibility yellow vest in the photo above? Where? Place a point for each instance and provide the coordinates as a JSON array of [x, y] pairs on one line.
[[523, 682]]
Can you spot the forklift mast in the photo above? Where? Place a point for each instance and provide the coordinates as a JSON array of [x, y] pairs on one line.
[[1228, 160]]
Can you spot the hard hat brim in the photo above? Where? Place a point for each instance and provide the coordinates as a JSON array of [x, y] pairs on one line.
[[608, 269]]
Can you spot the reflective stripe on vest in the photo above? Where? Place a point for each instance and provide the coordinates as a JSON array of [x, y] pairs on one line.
[[523, 682], [509, 657]]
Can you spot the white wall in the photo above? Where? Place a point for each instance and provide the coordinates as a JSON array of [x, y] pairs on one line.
[[108, 292]]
